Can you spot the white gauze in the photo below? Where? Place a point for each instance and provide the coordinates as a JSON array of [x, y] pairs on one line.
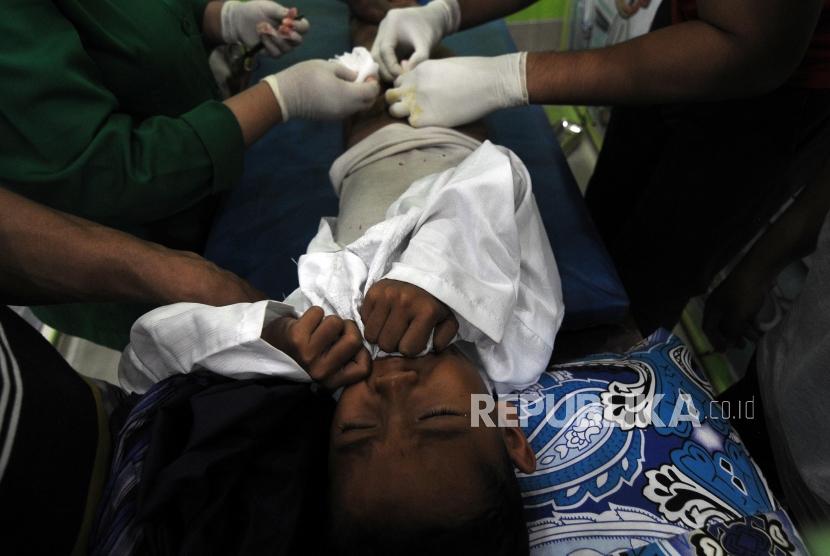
[[361, 62]]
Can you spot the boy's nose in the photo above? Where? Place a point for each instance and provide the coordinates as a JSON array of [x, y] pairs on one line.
[[392, 382]]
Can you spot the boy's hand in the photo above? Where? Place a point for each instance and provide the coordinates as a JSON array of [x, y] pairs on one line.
[[400, 317], [330, 349]]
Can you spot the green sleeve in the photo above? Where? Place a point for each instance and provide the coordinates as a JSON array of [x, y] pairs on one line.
[[64, 142], [199, 9]]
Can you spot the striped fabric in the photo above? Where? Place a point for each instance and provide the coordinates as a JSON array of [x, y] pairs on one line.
[[116, 532], [11, 400]]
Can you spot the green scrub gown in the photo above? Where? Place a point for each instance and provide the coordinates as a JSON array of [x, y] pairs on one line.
[[109, 111]]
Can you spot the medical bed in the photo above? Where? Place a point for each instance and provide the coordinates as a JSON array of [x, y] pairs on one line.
[[267, 221]]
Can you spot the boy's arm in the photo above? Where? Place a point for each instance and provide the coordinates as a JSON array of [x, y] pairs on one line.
[[243, 341], [481, 249]]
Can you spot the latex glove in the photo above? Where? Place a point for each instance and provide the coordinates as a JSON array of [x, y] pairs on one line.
[[417, 29], [320, 90], [457, 91], [249, 23]]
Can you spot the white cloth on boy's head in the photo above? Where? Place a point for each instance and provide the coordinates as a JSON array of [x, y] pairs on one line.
[[471, 236]]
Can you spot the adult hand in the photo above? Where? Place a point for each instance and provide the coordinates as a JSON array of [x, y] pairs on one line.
[[731, 309], [192, 278], [330, 349], [457, 91], [262, 21], [400, 317], [320, 90], [413, 30]]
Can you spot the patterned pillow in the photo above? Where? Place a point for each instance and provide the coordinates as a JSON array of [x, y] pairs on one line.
[[634, 455]]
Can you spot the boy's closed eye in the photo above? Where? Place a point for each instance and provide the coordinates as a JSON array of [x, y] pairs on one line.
[[401, 317]]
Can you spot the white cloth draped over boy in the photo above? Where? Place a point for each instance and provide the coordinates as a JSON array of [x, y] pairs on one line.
[[463, 226]]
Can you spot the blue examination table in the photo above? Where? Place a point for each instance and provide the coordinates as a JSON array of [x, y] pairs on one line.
[[267, 221]]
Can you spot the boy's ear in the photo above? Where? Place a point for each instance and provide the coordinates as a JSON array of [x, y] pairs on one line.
[[518, 448]]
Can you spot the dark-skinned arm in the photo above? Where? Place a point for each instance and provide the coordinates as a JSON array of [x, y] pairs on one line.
[[735, 49], [53, 257]]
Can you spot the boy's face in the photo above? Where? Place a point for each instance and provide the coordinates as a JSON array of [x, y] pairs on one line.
[[401, 440]]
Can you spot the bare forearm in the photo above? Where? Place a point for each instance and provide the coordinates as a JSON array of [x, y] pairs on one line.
[[257, 110], [52, 257], [692, 61], [212, 23], [476, 12]]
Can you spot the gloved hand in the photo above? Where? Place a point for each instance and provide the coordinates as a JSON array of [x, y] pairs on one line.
[[320, 90], [255, 21], [457, 91], [418, 28]]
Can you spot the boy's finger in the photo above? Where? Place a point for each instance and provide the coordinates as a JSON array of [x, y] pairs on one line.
[[393, 330], [355, 371], [375, 322], [366, 309], [345, 348], [416, 337], [444, 333], [326, 334], [308, 323]]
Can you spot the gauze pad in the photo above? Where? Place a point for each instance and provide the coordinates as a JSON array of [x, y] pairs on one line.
[[361, 62]]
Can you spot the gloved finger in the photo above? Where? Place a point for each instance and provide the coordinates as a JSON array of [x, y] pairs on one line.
[[421, 54], [389, 64], [399, 109], [376, 56], [394, 95], [276, 46], [375, 52], [344, 73], [290, 36], [273, 11], [367, 92], [300, 25], [265, 28]]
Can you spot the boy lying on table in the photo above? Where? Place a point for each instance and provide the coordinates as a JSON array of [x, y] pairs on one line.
[[437, 281]]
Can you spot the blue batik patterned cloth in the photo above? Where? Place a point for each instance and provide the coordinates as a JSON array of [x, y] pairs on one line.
[[634, 455]]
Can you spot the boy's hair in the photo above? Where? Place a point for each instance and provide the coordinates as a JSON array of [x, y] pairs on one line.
[[498, 530]]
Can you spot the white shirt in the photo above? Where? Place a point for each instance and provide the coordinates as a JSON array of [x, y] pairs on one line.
[[471, 236]]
